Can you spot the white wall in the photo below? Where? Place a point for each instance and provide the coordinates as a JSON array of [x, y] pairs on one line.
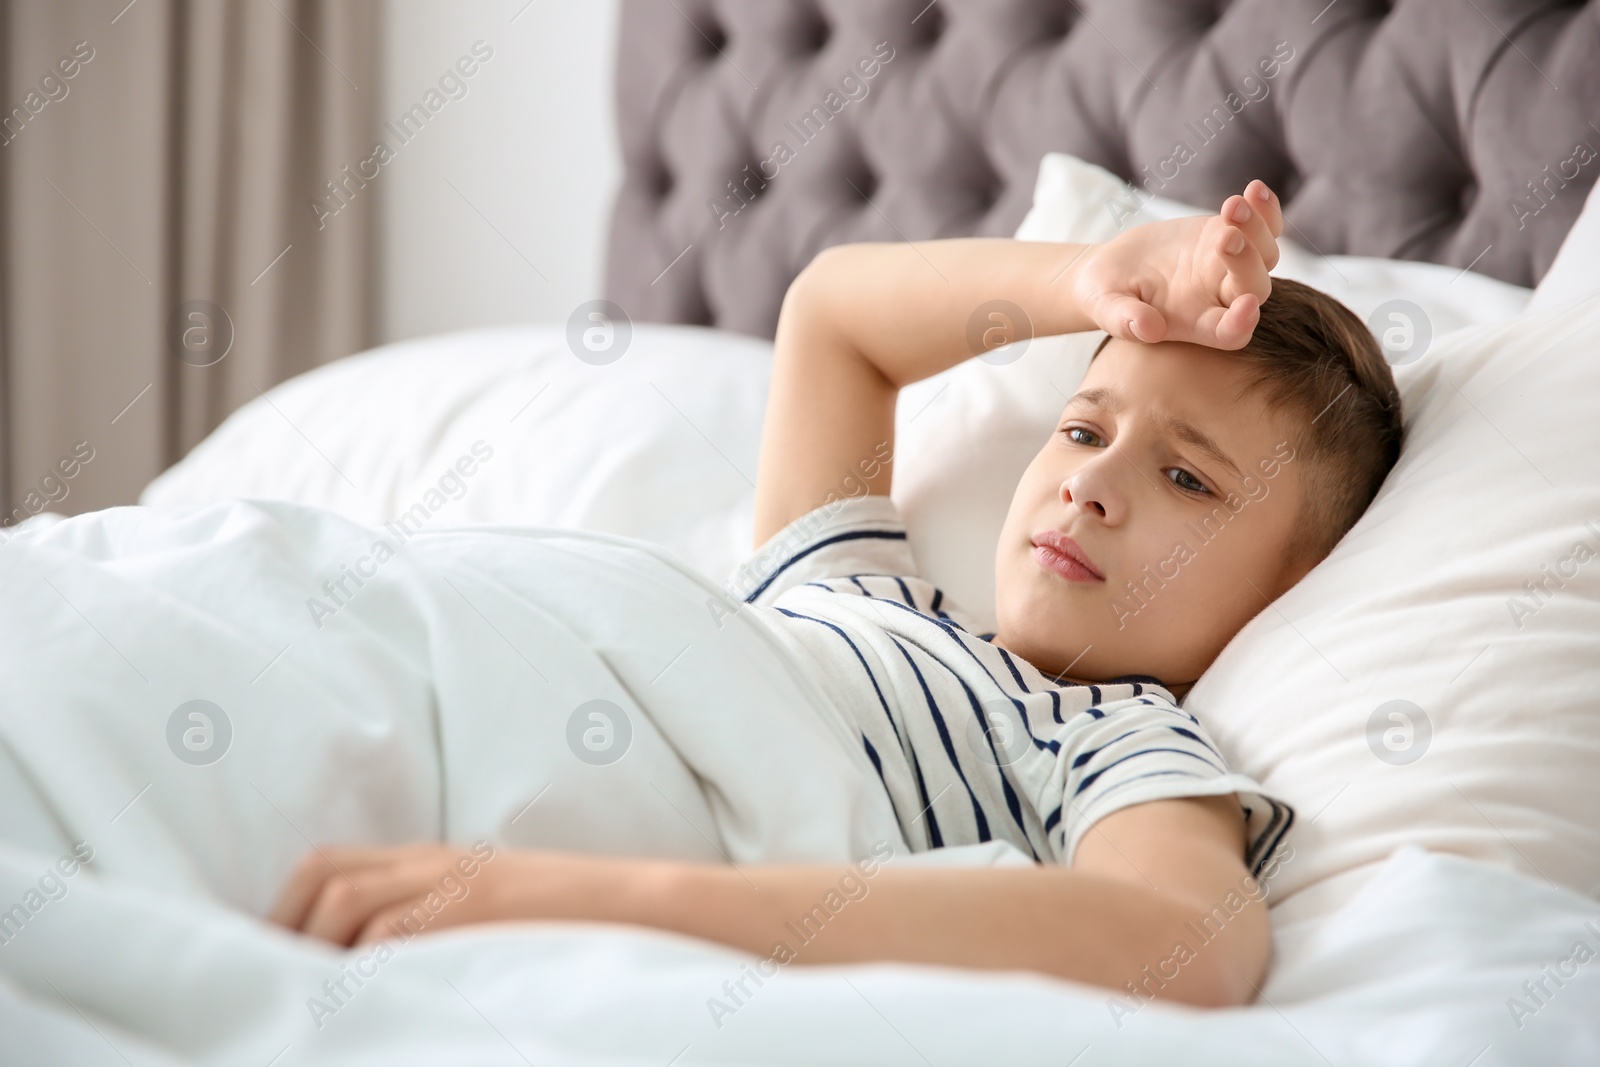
[[530, 150]]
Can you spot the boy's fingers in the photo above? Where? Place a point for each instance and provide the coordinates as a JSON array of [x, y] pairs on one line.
[[1131, 319], [1238, 323], [1261, 197], [341, 910], [1253, 223], [313, 871], [303, 886], [1246, 273], [386, 924]]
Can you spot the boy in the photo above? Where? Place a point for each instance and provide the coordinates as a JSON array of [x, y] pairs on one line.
[[1080, 757]]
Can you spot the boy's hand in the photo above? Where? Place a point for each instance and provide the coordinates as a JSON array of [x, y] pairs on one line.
[[354, 896], [1200, 279]]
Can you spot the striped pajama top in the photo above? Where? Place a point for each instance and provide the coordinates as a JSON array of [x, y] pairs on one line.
[[971, 742]]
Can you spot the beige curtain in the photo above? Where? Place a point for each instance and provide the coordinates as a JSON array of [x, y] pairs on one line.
[[181, 225]]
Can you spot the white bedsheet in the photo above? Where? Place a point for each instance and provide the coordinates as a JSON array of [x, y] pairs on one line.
[[436, 702], [1417, 969]]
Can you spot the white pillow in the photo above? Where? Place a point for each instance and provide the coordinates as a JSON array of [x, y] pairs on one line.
[[1419, 685], [660, 444], [1495, 482], [1576, 269], [964, 437]]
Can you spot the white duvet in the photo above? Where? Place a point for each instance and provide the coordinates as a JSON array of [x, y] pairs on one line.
[[437, 698]]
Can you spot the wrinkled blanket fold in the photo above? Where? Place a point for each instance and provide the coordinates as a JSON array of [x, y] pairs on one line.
[[202, 694]]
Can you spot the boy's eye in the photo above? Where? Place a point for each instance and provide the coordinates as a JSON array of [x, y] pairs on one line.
[[1186, 481], [1079, 436]]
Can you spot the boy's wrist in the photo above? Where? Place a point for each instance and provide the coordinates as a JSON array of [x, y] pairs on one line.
[[1061, 308], [687, 898], [657, 892]]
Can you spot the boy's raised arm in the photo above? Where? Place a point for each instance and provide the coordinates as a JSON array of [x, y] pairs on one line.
[[858, 324], [863, 321]]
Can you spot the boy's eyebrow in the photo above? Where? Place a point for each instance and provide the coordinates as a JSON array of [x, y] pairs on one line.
[[1192, 434], [1183, 430], [1100, 398]]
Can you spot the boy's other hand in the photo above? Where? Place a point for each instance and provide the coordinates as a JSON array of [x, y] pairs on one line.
[[1200, 280]]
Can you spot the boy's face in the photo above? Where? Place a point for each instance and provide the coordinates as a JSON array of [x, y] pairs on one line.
[[1179, 493]]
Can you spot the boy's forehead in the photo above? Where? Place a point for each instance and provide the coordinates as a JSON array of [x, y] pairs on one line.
[[1174, 373], [1191, 391]]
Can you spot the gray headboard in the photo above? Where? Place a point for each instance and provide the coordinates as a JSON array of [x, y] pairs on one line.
[[1459, 131]]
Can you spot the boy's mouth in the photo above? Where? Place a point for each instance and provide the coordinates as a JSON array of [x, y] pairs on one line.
[[1056, 552]]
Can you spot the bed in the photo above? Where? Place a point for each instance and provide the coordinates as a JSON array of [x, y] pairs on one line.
[[1425, 698]]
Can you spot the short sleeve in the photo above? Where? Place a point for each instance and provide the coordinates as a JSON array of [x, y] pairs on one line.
[[1145, 749], [852, 535]]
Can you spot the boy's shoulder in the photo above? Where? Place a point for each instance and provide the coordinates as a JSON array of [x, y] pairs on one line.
[[846, 536]]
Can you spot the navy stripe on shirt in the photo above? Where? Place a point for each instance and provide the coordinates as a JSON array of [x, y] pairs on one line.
[[854, 535]]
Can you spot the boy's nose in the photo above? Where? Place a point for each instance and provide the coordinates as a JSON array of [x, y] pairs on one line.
[[1067, 497], [1093, 489]]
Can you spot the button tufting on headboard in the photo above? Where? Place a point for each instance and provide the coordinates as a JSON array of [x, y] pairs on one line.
[[1465, 132]]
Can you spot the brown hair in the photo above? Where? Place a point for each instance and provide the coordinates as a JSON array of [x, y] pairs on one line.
[[1316, 358]]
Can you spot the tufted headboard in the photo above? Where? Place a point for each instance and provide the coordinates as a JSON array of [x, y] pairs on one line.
[[1465, 132]]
